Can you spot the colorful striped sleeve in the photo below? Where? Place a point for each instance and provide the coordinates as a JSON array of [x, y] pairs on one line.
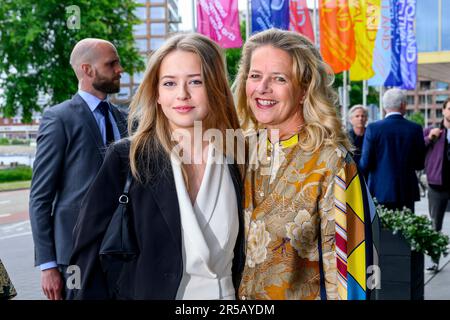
[[357, 234]]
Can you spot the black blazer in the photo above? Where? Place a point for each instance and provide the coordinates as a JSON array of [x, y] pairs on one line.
[[157, 271]]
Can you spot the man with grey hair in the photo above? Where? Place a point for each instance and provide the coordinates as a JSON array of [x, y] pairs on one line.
[[358, 118], [392, 152], [71, 144]]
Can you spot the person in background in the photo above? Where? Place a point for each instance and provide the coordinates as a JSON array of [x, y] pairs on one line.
[[71, 144], [393, 150], [437, 169], [358, 116]]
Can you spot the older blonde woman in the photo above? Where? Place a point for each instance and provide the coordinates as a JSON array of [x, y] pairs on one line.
[[307, 211]]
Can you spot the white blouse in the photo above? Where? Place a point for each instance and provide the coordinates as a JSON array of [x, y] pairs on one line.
[[209, 233]]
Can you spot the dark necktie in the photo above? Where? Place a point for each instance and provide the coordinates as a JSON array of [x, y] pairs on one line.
[[104, 108]]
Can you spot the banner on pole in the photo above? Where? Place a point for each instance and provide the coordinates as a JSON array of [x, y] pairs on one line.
[[366, 17], [337, 42], [382, 52], [394, 78], [408, 52], [299, 19], [268, 14], [219, 20]]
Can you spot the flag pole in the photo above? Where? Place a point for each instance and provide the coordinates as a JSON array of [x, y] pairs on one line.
[[380, 102], [365, 93], [344, 99], [315, 22], [194, 29]]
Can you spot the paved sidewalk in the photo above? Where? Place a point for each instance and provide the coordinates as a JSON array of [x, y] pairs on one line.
[[437, 285], [17, 255]]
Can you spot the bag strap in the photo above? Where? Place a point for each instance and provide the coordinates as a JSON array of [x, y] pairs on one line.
[[123, 199]]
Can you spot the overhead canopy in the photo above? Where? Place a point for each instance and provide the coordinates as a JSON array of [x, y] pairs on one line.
[[434, 66]]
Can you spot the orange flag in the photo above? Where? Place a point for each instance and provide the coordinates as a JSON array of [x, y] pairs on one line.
[[337, 39]]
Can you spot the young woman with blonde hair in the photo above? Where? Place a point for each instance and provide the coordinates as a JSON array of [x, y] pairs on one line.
[[307, 211], [185, 208]]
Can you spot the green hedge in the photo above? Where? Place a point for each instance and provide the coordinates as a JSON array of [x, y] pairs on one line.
[[416, 229], [20, 141], [21, 173], [7, 142]]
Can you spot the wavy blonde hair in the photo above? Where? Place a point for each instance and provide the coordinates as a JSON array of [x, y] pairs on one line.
[[147, 124], [322, 126]]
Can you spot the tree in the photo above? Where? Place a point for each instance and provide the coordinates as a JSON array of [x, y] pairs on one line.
[[417, 117], [37, 37]]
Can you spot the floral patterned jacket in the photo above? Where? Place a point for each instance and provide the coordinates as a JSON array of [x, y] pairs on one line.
[[309, 221], [7, 290]]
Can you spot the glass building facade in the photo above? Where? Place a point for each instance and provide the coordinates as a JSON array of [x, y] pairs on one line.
[[158, 19]]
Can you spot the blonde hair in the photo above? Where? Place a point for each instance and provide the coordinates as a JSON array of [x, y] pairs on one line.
[[147, 124], [322, 126], [355, 108]]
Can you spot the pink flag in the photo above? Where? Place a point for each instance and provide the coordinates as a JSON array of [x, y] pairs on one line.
[[300, 20], [219, 20]]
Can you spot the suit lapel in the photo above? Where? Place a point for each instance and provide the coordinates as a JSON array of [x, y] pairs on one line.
[[89, 121], [165, 195], [120, 121]]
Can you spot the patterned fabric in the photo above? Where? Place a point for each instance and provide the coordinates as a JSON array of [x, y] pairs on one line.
[[355, 249], [7, 290], [308, 220]]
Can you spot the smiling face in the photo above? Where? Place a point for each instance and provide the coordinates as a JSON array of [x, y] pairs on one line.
[[271, 93], [181, 90]]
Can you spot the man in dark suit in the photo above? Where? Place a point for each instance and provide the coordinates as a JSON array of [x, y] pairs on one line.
[[71, 144], [393, 150]]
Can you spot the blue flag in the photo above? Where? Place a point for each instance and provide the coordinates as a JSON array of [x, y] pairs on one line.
[[268, 14], [394, 78], [382, 53]]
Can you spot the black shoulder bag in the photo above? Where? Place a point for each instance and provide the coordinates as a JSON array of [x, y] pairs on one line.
[[119, 243]]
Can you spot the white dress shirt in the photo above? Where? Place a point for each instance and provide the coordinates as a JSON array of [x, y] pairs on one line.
[[392, 114], [209, 233]]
